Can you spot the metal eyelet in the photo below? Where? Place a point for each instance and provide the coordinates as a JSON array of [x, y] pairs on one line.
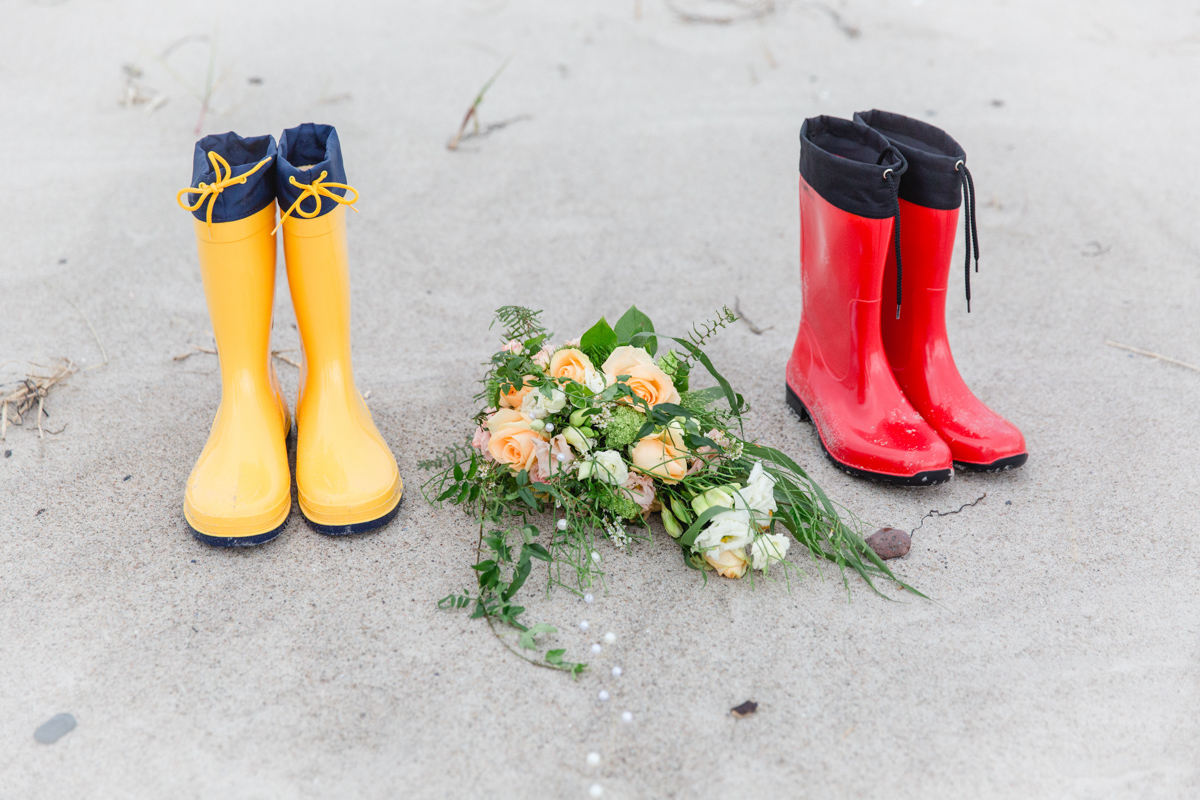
[[887, 173], [959, 164]]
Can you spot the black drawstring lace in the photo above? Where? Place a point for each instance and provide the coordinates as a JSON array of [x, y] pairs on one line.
[[970, 233], [889, 174]]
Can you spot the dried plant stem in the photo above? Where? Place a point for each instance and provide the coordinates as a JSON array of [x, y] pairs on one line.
[[96, 336], [279, 354], [32, 391], [195, 349], [1150, 354], [472, 112]]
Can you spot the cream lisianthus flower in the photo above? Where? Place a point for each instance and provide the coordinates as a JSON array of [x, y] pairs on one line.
[[595, 380], [570, 364], [606, 466], [659, 457], [728, 563], [768, 548], [729, 530], [646, 379], [758, 496]]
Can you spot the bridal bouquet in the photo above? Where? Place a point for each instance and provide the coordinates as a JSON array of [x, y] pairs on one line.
[[606, 433]]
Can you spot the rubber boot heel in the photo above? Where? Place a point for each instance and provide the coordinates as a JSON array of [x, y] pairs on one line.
[[796, 406]]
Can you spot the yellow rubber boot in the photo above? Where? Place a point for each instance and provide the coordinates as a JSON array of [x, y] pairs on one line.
[[346, 476], [239, 492]]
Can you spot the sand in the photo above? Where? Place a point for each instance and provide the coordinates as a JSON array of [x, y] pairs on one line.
[[657, 166]]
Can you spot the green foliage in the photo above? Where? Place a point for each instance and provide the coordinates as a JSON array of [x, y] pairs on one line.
[[519, 323], [632, 323], [599, 342], [676, 368], [623, 429]]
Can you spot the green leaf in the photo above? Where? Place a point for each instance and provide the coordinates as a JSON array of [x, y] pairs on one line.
[[527, 637], [599, 342], [689, 536], [555, 657], [518, 579], [538, 552], [632, 323]]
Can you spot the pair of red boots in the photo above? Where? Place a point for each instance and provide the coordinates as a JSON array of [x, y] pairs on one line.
[[879, 201]]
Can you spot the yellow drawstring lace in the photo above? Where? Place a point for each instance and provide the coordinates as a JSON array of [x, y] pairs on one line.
[[316, 190], [209, 192]]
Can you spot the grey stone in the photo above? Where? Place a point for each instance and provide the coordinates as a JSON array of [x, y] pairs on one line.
[[55, 728], [890, 543]]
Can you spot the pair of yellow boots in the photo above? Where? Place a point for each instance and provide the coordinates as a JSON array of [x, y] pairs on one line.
[[347, 481]]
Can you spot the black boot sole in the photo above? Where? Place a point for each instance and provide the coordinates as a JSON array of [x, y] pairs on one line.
[[238, 541], [999, 465], [931, 477], [357, 527]]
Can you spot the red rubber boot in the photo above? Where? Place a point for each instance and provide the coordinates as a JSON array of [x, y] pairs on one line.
[[936, 182], [838, 374]]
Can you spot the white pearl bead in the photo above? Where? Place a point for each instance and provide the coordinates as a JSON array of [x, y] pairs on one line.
[[596, 791], [549, 427], [583, 625], [587, 598], [616, 672], [627, 716], [561, 456], [595, 557], [603, 695], [593, 759], [596, 648], [561, 524], [610, 637]]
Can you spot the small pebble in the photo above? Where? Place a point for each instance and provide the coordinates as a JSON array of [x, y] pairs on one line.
[[890, 543], [55, 728], [593, 759], [561, 524], [616, 672], [596, 791], [583, 625], [610, 637], [587, 598], [603, 695], [596, 649], [626, 716], [8, 453], [1006, 502]]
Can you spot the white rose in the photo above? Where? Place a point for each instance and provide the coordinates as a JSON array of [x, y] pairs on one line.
[[537, 405], [595, 381], [758, 496], [769, 548], [728, 530], [607, 466]]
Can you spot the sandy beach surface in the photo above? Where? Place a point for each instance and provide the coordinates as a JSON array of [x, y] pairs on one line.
[[646, 159]]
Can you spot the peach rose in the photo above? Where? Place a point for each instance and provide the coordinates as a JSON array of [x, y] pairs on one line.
[[514, 398], [728, 563], [571, 364], [658, 456], [512, 442], [645, 379]]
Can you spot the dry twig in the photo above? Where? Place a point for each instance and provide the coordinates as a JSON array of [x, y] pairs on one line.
[[473, 111], [737, 310], [195, 349], [746, 10], [1150, 354], [33, 390], [279, 354]]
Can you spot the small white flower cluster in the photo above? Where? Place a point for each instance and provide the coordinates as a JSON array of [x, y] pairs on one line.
[[603, 419], [617, 533], [730, 448]]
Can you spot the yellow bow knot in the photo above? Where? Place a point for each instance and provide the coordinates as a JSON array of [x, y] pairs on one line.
[[208, 192], [316, 190]]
